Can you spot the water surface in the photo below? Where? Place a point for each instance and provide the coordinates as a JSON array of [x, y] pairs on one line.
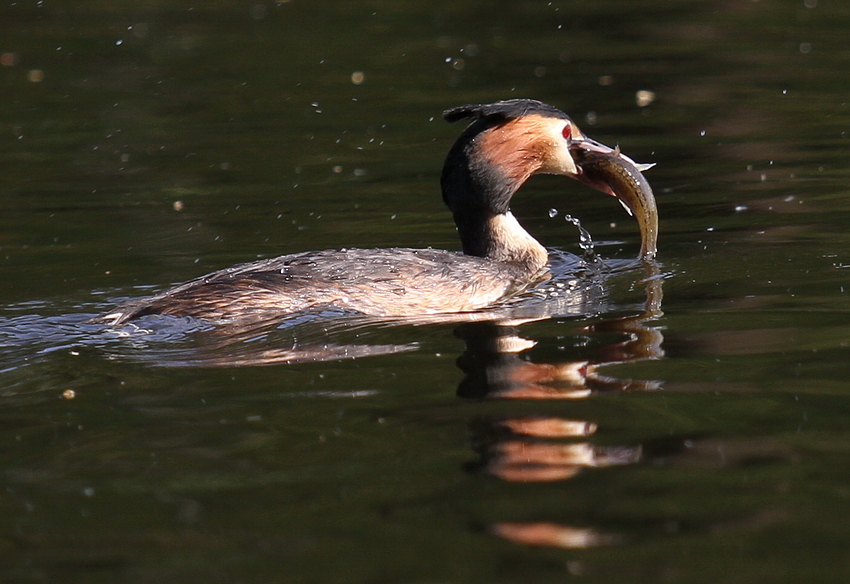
[[701, 437]]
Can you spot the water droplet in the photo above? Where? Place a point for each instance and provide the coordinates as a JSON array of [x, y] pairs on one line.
[[553, 213], [644, 97], [585, 241]]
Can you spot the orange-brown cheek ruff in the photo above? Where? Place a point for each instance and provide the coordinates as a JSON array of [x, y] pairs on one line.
[[518, 148]]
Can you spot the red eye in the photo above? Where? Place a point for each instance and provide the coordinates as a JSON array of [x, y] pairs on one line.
[[567, 132]]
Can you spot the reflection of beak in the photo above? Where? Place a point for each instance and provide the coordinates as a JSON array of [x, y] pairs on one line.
[[609, 171]]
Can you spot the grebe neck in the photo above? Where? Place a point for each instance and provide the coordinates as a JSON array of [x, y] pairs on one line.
[[501, 238], [481, 173]]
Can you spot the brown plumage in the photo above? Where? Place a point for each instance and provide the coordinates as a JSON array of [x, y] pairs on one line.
[[506, 143]]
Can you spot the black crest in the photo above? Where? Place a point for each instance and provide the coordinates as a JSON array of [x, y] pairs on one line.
[[503, 110]]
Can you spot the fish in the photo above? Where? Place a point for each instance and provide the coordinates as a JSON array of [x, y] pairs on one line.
[[619, 176]]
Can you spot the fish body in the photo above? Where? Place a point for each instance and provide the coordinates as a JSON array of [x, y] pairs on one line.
[[618, 175]]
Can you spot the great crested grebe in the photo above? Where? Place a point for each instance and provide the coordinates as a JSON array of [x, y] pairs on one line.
[[506, 143]]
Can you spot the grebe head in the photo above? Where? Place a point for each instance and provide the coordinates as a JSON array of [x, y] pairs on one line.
[[505, 144]]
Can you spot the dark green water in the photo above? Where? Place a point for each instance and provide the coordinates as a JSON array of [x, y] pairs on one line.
[[707, 441]]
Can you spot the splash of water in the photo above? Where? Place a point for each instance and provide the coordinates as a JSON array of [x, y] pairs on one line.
[[585, 241]]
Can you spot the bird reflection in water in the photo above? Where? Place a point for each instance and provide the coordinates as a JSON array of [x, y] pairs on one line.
[[546, 448], [518, 449]]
